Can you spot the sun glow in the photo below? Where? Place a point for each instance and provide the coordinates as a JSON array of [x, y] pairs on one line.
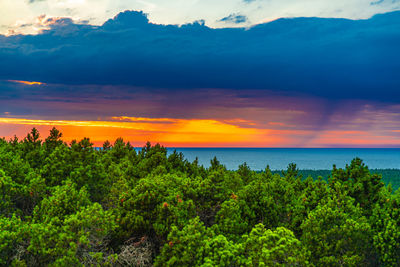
[[26, 82], [167, 131], [174, 132]]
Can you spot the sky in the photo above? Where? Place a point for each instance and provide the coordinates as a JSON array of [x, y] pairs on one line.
[[254, 73], [22, 15]]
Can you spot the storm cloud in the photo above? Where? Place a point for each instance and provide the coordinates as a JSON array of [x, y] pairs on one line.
[[328, 58]]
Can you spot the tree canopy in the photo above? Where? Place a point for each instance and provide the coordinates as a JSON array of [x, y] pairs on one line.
[[76, 205]]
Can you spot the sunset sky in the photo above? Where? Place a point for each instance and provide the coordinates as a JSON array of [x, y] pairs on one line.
[[245, 73]]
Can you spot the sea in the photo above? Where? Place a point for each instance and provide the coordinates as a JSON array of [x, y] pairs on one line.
[[305, 158]]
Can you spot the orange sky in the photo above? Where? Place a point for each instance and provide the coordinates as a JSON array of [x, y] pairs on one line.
[[169, 132], [265, 123], [189, 133]]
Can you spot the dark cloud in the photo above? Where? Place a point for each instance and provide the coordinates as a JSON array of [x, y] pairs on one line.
[[234, 18], [329, 58], [35, 1]]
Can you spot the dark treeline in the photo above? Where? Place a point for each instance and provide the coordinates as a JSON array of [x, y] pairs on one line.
[[73, 205], [389, 176]]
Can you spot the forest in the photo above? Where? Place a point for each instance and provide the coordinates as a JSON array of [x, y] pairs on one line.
[[389, 176], [75, 205]]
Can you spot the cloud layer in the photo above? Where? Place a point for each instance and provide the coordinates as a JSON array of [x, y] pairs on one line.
[[332, 58]]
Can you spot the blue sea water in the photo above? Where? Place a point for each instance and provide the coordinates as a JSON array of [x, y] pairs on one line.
[[305, 158]]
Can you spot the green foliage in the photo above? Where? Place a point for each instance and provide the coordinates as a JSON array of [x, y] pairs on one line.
[[73, 239], [386, 225], [154, 205], [336, 232], [389, 176], [278, 247], [13, 235], [363, 186], [313, 193], [76, 205], [185, 247], [8, 191], [53, 140], [230, 221], [196, 245], [267, 200], [63, 201]]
